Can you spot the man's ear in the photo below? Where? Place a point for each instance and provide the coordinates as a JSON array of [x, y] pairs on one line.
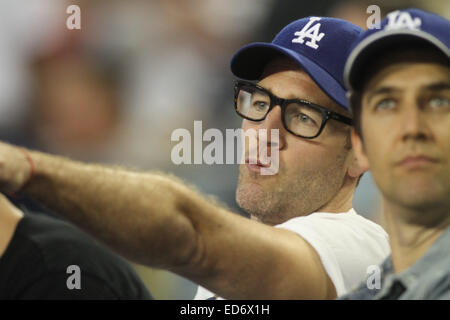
[[361, 164]]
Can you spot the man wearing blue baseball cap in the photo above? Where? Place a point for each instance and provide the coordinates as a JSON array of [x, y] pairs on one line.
[[399, 82], [304, 240]]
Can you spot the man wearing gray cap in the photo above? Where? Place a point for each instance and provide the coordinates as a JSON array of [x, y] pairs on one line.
[[319, 248], [399, 81]]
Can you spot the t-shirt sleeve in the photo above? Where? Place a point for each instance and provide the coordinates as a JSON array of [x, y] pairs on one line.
[[308, 230], [205, 294], [201, 294]]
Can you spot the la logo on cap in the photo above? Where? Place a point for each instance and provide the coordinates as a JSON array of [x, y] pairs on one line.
[[310, 31], [402, 20]]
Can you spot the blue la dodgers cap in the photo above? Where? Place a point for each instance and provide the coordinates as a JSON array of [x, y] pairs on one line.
[[400, 28], [320, 45]]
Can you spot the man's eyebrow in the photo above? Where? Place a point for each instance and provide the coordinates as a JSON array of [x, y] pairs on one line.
[[439, 86], [381, 90]]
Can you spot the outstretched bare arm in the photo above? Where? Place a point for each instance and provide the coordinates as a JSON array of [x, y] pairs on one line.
[[159, 221]]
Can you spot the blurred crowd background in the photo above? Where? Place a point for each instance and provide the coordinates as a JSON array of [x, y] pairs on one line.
[[114, 91]]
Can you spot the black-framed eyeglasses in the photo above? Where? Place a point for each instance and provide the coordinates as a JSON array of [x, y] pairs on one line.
[[300, 117]]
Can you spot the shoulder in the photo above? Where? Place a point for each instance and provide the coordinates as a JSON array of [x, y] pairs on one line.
[[347, 223], [347, 244]]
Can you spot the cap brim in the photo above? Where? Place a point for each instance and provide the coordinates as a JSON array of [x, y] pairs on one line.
[[249, 62], [378, 42]]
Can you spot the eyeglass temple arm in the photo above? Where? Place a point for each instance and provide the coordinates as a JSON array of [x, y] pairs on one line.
[[340, 118]]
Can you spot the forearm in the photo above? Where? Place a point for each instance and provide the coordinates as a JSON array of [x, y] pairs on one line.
[[131, 212]]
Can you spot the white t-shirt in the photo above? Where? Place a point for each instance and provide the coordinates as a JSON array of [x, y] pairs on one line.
[[346, 243]]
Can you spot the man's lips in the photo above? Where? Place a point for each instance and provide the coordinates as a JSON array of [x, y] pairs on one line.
[[256, 163], [416, 161], [255, 166]]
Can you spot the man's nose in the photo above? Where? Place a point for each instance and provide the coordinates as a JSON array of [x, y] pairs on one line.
[[273, 121], [414, 123]]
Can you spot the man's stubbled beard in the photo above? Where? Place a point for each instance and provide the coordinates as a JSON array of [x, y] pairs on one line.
[[275, 199]]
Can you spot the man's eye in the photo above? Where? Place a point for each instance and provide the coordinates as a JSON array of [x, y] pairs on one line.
[[385, 104], [304, 119], [439, 102], [260, 105]]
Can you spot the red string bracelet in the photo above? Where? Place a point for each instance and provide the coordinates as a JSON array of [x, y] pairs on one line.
[[30, 176]]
